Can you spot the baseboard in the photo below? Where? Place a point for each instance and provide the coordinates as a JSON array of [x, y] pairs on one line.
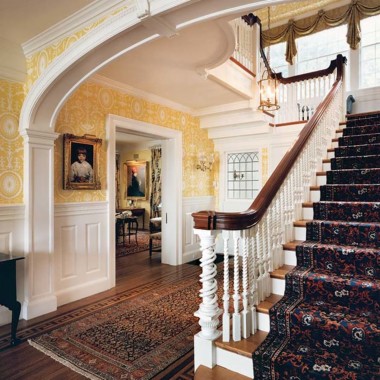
[[39, 306], [76, 293]]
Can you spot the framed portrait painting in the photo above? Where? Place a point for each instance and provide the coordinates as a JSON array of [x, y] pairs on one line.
[[136, 179], [80, 162]]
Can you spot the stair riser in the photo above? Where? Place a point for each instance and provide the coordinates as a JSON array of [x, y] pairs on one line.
[[300, 233], [307, 212], [350, 214], [290, 257], [263, 322], [321, 180], [326, 166], [315, 196], [234, 362]]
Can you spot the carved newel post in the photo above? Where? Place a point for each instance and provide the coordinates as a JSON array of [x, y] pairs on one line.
[[208, 312]]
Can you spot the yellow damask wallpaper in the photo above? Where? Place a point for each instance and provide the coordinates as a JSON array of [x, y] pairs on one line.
[[85, 113], [39, 61], [11, 143]]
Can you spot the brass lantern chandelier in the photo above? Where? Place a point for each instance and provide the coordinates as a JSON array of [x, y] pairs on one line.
[[268, 84]]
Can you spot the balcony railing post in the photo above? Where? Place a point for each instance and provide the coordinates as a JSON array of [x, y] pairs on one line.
[[209, 311]]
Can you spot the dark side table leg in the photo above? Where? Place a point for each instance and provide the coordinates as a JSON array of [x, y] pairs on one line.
[[15, 318]]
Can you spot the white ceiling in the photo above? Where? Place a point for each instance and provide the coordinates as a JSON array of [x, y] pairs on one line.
[[169, 68]]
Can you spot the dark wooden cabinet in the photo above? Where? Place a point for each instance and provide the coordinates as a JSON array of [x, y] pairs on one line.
[[8, 292]]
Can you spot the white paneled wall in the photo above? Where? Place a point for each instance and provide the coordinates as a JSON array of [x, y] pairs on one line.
[[191, 250], [81, 250]]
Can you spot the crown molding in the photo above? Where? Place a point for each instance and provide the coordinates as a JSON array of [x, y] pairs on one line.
[[71, 24], [99, 79]]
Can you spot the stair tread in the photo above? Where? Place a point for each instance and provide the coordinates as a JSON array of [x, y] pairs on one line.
[[307, 204], [315, 188], [264, 306], [217, 373], [322, 173], [301, 223], [282, 271], [244, 347], [291, 245]]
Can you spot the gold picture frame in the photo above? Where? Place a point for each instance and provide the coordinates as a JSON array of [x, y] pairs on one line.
[[136, 180], [80, 162]]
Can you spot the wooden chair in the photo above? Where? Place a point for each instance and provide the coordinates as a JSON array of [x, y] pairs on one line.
[[154, 235]]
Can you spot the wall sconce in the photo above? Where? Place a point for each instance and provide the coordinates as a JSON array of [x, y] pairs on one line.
[[205, 161], [238, 176]]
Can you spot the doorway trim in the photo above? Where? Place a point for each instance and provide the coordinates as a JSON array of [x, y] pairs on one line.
[[173, 139]]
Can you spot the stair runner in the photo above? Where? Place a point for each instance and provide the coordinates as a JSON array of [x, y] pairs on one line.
[[327, 325]]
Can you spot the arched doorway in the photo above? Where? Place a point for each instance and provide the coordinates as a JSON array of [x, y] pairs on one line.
[[116, 36]]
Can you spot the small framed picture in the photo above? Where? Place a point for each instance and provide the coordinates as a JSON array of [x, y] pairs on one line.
[[80, 162], [136, 180]]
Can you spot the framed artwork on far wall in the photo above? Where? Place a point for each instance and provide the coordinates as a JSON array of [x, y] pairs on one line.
[[80, 162], [136, 180]]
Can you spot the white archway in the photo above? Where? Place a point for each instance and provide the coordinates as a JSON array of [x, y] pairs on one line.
[[120, 33]]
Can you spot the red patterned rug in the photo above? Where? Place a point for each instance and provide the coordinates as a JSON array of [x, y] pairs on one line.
[[142, 337], [128, 248]]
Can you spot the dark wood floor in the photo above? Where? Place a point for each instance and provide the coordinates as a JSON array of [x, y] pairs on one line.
[[135, 273]]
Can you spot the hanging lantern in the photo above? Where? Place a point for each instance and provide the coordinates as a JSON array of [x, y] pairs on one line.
[[268, 92], [268, 83]]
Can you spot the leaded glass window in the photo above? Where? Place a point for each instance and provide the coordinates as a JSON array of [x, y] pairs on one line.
[[242, 175]]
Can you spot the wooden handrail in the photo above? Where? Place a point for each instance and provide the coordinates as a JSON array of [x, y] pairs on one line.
[[212, 220]]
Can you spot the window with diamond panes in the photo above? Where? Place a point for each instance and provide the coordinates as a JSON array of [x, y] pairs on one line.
[[242, 175]]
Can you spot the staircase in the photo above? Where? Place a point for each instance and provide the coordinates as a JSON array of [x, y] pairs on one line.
[[331, 307]]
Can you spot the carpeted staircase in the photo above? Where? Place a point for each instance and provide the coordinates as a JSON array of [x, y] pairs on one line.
[[327, 325]]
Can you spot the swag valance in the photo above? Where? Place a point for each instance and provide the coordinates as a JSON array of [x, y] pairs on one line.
[[350, 14]]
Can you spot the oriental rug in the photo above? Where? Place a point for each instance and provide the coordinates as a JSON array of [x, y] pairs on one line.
[[327, 325], [142, 244], [143, 337]]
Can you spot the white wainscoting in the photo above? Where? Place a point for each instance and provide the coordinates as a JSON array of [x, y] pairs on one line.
[[81, 250], [191, 249], [12, 219]]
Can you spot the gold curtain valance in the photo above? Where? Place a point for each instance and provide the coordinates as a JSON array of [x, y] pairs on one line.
[[350, 15]]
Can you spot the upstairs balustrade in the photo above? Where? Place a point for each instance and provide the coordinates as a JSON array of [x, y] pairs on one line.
[[259, 232]]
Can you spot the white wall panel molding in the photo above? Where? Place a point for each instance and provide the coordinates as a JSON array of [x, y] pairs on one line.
[[366, 100], [80, 208], [12, 212], [191, 249], [81, 254]]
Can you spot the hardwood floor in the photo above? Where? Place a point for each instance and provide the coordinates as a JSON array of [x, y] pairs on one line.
[[135, 273]]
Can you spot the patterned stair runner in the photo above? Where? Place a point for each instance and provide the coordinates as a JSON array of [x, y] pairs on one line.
[[327, 325]]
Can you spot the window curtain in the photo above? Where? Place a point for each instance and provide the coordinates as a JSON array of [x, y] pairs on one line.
[[155, 194], [350, 14]]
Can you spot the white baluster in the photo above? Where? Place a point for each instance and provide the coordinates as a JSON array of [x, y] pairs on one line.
[[226, 289], [252, 273], [259, 249], [245, 314], [236, 318]]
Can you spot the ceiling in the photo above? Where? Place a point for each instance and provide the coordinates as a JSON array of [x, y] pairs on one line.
[[169, 68]]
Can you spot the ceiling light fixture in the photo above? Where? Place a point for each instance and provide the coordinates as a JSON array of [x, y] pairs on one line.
[[268, 84]]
